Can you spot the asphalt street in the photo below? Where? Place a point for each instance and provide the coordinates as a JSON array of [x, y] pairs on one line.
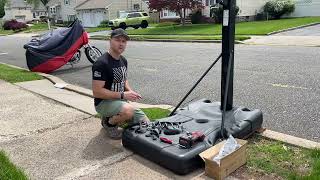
[[281, 81]]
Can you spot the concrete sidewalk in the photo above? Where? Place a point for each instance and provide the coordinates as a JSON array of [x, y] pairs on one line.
[[50, 140], [312, 41]]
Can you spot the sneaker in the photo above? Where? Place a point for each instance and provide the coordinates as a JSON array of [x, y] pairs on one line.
[[112, 131]]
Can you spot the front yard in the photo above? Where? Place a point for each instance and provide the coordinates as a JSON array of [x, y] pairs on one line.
[[243, 28]]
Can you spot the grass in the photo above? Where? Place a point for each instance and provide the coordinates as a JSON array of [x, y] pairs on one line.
[[37, 27], [289, 162], [155, 113], [243, 28], [8, 170], [97, 29], [172, 37], [14, 75]]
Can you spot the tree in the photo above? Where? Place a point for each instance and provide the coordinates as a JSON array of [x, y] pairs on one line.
[[2, 3], [277, 8], [178, 6], [45, 4]]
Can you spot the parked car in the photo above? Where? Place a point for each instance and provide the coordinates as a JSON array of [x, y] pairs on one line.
[[131, 19]]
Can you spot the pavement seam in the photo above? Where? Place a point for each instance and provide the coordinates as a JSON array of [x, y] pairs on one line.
[[11, 137], [86, 170]]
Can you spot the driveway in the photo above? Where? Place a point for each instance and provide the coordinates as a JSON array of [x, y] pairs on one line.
[[307, 31]]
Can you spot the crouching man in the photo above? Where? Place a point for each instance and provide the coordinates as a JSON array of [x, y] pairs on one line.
[[111, 88]]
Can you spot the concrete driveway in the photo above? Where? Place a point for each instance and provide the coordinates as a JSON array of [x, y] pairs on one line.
[[306, 31]]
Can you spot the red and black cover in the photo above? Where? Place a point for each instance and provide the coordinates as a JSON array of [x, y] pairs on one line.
[[54, 49]]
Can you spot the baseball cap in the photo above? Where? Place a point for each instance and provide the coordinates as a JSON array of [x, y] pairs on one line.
[[119, 32]]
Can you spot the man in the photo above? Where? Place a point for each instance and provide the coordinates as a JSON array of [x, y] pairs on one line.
[[111, 88]]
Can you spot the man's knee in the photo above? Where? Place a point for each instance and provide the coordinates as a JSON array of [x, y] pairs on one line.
[[127, 110]]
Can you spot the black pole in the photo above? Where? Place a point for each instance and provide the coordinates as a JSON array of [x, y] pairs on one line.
[[228, 36], [195, 85]]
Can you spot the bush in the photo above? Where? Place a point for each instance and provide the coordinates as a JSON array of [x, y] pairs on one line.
[[104, 23], [14, 25], [277, 8], [217, 13], [196, 17]]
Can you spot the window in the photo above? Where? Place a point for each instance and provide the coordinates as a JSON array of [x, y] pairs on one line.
[[66, 2], [52, 10], [145, 14], [136, 6]]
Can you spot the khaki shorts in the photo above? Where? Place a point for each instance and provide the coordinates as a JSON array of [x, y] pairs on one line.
[[109, 108]]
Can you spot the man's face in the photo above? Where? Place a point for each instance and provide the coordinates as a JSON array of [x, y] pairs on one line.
[[118, 44]]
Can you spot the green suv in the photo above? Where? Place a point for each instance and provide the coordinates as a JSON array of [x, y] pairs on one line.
[[132, 19]]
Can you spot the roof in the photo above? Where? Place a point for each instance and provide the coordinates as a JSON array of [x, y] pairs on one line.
[[18, 4], [92, 4]]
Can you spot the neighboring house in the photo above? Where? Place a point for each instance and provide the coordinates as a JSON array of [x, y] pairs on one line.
[[63, 10], [248, 9], [22, 11], [92, 12], [306, 8]]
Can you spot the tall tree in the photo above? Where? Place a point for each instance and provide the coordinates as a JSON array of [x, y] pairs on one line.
[[45, 4], [178, 6], [2, 3]]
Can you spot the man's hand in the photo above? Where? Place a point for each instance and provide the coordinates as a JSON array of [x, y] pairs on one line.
[[131, 96]]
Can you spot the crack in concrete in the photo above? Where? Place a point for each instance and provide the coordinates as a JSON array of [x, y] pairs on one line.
[[86, 170], [9, 137]]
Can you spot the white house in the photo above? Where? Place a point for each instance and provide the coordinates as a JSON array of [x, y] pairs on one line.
[[92, 12], [22, 11], [306, 8]]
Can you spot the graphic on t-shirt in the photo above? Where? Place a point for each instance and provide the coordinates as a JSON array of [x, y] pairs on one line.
[[120, 75]]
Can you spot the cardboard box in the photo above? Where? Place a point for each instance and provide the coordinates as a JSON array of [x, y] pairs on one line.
[[228, 164]]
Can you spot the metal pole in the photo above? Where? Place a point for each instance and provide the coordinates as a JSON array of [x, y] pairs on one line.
[[228, 36]]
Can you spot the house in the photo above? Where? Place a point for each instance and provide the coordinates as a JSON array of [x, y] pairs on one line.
[[248, 9], [63, 10], [306, 8], [92, 12], [22, 11]]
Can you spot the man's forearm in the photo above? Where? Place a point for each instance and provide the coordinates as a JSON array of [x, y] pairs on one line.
[[106, 94], [127, 86]]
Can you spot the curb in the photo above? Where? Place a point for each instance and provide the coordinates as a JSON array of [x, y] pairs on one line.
[[296, 141], [289, 29]]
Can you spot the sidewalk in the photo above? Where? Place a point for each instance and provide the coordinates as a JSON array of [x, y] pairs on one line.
[[50, 140], [313, 41], [52, 133]]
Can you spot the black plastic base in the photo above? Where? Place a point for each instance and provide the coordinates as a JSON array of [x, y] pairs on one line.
[[201, 116]]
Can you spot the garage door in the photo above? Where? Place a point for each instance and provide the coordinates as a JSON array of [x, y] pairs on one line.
[[86, 19]]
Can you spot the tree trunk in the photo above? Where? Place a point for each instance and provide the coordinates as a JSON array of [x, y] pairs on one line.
[[48, 19]]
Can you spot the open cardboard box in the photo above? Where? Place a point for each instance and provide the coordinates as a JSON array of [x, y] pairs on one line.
[[228, 164]]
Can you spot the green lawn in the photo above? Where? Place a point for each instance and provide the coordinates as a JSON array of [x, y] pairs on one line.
[[14, 75], [96, 29], [173, 37], [8, 171], [243, 28]]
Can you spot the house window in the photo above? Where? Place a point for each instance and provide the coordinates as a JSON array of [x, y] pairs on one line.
[[210, 2], [53, 10], [66, 2], [167, 13], [136, 6]]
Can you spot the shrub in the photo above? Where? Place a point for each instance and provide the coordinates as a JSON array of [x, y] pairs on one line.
[[196, 17], [14, 25], [277, 8], [217, 13]]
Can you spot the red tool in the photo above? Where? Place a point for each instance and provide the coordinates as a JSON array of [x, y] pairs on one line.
[[166, 140], [191, 139]]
